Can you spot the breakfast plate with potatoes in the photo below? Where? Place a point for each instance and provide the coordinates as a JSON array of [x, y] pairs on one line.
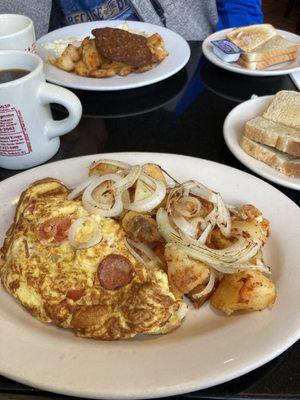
[[115, 267], [255, 50], [111, 55]]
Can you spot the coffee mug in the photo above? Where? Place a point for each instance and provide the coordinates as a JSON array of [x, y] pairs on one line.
[[16, 33], [28, 134]]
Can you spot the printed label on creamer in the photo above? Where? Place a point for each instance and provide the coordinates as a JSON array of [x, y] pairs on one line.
[[14, 140]]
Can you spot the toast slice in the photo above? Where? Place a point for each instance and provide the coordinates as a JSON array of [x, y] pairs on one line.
[[285, 108], [282, 137], [274, 47], [267, 61], [248, 38], [282, 162]]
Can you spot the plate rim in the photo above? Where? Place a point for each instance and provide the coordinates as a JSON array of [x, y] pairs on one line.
[[243, 71], [247, 160], [95, 84], [192, 385]]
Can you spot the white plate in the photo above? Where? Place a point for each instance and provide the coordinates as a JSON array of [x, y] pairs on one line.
[[233, 131], [177, 47], [208, 349], [279, 69]]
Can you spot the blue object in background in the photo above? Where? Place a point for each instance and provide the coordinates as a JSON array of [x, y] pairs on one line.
[[68, 12], [234, 13]]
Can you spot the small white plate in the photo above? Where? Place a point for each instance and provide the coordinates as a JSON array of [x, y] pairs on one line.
[[233, 131], [177, 47], [208, 349], [278, 69]]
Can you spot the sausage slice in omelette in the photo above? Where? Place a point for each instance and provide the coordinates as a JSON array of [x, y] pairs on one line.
[[100, 292]]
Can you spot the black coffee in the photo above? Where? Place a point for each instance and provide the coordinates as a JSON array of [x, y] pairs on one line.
[[7, 75]]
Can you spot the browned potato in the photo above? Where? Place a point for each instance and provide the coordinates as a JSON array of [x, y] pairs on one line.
[[183, 272], [155, 172], [90, 55], [81, 69], [217, 240], [124, 69], [252, 228], [141, 227], [249, 212], [102, 73], [248, 290], [146, 68], [102, 169], [156, 46], [68, 58]]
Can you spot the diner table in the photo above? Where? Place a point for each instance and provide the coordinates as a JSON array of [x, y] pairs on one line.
[[184, 115]]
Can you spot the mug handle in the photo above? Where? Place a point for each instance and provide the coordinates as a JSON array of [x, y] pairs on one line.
[[49, 93]]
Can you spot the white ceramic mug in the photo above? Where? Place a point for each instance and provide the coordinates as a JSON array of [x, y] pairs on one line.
[[28, 134], [17, 33]]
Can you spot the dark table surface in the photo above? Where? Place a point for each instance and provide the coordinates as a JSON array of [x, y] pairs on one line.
[[183, 115]]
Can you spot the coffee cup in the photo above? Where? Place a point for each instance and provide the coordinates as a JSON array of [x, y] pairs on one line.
[[28, 134], [17, 33]]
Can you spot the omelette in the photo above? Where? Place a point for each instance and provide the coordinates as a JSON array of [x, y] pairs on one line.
[[100, 292]]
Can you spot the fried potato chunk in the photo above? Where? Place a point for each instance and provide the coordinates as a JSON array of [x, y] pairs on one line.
[[102, 169], [68, 58], [184, 273], [90, 55], [141, 227], [102, 73], [156, 46], [81, 69], [248, 290]]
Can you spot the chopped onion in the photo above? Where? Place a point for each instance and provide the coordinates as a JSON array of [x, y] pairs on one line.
[[224, 217], [185, 226], [134, 253], [80, 188], [144, 249], [101, 208], [129, 179], [95, 238], [199, 220], [181, 206], [208, 288], [150, 202], [231, 259], [204, 235]]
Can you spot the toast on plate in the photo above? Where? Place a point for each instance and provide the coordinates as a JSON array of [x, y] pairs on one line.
[[274, 134], [267, 61], [275, 47], [285, 109], [282, 162], [248, 38]]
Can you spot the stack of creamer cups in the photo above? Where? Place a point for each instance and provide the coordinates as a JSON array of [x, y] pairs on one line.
[[28, 134]]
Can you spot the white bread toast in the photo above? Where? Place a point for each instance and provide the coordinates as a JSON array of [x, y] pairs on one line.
[[282, 137], [274, 47], [249, 37], [282, 162], [285, 108], [267, 61]]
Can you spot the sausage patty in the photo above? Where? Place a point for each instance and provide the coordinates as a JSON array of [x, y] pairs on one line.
[[122, 46]]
